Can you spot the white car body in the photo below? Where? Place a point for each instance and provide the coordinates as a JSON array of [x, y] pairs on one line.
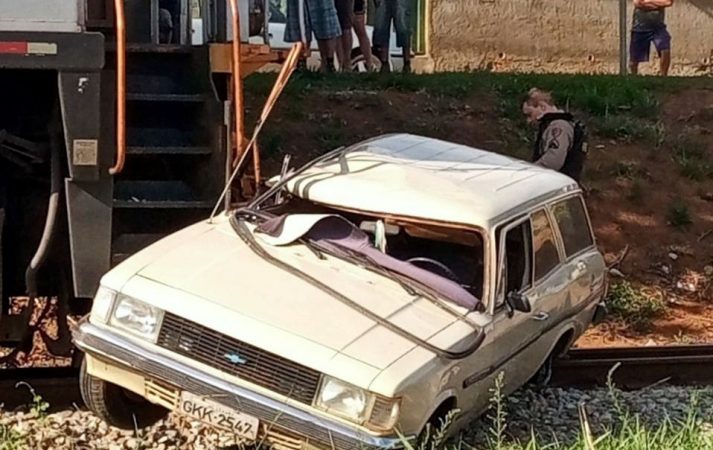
[[391, 346]]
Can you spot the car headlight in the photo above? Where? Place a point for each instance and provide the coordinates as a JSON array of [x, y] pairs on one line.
[[137, 317], [102, 304], [357, 405]]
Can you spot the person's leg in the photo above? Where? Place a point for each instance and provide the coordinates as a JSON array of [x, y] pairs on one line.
[[347, 43], [364, 44], [327, 49], [665, 62], [402, 23], [345, 13], [639, 49], [662, 41], [382, 33], [325, 25]]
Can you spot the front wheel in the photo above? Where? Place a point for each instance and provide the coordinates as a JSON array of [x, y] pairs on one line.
[[115, 405]]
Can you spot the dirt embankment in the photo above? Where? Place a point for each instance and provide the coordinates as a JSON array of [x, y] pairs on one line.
[[650, 183]]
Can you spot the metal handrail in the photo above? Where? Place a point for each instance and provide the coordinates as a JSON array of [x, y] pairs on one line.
[[120, 88]]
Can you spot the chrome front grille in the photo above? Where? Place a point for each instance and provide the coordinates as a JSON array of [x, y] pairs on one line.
[[238, 358]]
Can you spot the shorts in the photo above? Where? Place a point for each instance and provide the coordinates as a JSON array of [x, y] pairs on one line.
[[641, 43], [320, 18], [360, 7], [400, 12], [345, 11]]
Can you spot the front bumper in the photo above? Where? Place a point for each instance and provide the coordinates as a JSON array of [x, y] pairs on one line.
[[312, 429]]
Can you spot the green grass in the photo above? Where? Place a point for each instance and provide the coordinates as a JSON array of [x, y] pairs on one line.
[[691, 157], [634, 305], [595, 95], [628, 433], [626, 127]]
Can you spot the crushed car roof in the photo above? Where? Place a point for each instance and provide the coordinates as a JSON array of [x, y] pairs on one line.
[[419, 177]]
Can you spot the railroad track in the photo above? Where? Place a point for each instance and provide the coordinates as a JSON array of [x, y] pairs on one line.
[[637, 367]]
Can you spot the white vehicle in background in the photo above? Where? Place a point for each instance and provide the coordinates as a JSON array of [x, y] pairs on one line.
[[276, 29], [277, 41]]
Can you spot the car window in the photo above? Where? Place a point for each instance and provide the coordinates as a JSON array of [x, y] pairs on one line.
[[571, 219], [543, 239], [517, 265]]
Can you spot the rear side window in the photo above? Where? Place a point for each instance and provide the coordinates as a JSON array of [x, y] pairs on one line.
[[545, 245], [574, 227]]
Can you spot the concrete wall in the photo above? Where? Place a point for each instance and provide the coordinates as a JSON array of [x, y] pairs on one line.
[[555, 35]]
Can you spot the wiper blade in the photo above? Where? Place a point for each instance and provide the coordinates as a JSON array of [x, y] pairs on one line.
[[313, 247]]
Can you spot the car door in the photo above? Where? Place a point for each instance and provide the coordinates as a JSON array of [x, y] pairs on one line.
[[549, 290], [584, 266], [506, 330]]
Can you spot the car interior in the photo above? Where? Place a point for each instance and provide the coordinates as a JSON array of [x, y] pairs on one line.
[[453, 254]]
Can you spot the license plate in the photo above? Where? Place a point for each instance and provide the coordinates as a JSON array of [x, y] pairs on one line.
[[219, 416]]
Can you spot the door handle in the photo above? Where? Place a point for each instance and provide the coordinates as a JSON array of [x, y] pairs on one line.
[[540, 316], [581, 266]]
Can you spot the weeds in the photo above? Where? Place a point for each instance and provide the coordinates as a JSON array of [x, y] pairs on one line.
[[496, 440], [628, 433], [678, 215], [692, 160], [628, 169], [625, 127], [636, 306], [11, 439]]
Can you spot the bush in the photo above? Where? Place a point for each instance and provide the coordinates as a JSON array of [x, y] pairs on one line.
[[635, 306]]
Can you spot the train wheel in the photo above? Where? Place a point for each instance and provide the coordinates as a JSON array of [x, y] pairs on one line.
[[115, 405]]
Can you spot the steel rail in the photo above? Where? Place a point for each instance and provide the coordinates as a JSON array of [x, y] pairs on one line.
[[633, 368], [636, 367]]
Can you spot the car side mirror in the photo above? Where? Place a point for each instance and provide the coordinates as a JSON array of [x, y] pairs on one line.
[[519, 302]]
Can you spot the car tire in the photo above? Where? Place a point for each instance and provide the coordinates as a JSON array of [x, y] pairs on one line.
[[543, 376], [115, 405]]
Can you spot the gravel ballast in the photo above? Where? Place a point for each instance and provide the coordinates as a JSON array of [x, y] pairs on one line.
[[552, 412]]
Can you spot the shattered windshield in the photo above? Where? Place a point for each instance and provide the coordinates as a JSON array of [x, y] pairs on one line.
[[446, 261]]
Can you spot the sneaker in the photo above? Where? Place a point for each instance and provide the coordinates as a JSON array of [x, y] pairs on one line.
[[407, 68]]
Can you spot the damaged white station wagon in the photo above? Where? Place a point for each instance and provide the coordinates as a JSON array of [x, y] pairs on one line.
[[361, 298]]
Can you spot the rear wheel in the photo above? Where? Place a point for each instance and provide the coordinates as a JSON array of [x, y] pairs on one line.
[[115, 405]]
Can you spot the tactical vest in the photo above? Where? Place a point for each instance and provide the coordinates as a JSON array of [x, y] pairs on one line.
[[576, 155]]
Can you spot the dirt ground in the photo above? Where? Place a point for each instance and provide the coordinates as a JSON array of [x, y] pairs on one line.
[[636, 187]]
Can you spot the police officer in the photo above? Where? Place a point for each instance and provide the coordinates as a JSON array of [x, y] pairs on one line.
[[561, 140]]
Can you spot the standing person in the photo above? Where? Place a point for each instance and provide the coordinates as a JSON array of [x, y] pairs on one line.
[[359, 24], [649, 27], [345, 13], [561, 140], [320, 19], [400, 12]]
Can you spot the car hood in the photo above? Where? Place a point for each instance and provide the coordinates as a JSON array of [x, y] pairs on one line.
[[224, 285]]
